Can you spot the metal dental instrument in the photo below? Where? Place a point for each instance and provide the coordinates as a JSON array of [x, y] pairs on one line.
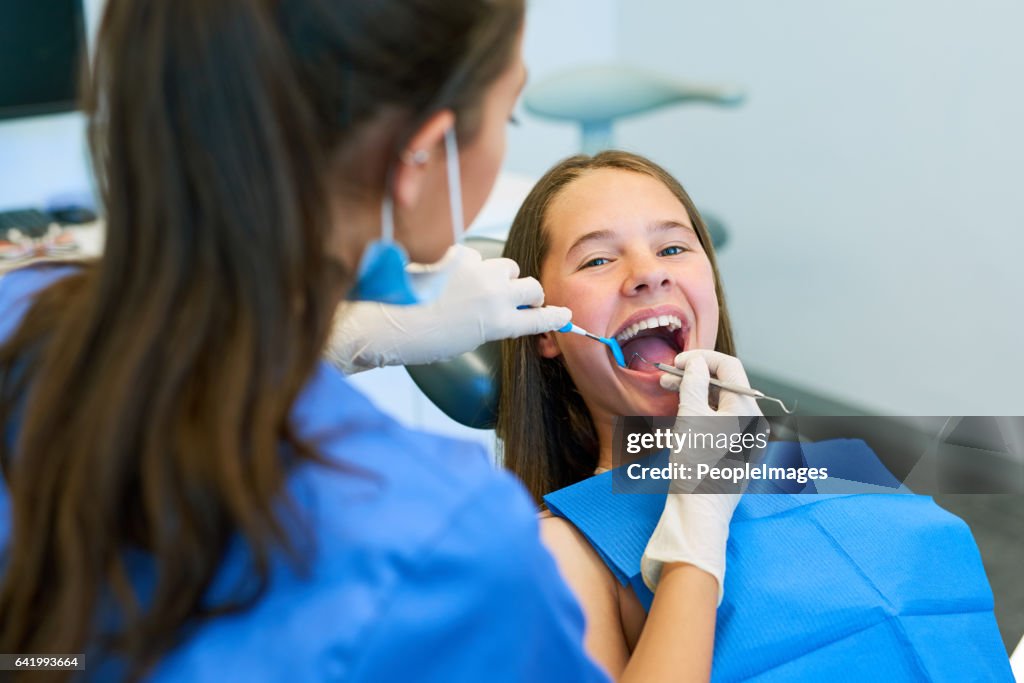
[[734, 388], [616, 350], [607, 341]]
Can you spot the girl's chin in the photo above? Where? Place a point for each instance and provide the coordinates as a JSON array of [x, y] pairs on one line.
[[646, 403], [645, 395]]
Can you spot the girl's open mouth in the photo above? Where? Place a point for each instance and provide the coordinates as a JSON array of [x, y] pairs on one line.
[[656, 338]]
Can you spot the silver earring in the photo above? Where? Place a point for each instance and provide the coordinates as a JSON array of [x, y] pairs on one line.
[[417, 158]]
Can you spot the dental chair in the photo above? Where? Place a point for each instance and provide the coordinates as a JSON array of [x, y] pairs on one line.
[[466, 388]]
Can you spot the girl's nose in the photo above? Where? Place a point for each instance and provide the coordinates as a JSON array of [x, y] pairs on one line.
[[646, 275]]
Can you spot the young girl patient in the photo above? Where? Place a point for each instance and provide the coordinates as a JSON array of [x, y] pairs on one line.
[[616, 238]]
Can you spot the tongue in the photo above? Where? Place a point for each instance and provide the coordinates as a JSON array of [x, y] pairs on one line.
[[653, 349]]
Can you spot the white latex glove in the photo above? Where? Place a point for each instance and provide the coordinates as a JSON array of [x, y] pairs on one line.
[[694, 527], [478, 304]]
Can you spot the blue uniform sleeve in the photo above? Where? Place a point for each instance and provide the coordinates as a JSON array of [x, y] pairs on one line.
[[486, 602], [18, 289]]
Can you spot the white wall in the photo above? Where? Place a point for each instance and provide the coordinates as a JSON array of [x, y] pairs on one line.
[[871, 185]]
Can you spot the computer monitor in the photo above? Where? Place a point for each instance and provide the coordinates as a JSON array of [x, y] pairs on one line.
[[42, 43]]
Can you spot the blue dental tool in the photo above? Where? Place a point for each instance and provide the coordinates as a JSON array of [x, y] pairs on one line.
[[607, 341]]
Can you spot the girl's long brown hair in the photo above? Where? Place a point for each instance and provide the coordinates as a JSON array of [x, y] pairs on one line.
[[547, 436], [148, 395]]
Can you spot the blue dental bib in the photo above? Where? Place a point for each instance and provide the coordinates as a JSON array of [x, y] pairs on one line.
[[823, 587]]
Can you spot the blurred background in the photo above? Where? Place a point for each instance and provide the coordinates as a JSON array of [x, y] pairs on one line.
[[869, 185], [869, 182]]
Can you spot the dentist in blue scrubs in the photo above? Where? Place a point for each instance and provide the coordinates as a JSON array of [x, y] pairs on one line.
[[189, 492]]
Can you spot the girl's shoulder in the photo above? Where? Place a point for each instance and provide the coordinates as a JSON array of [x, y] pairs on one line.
[[612, 627], [577, 560]]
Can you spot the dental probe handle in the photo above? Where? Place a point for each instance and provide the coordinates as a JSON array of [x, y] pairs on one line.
[[734, 388], [576, 329], [610, 342]]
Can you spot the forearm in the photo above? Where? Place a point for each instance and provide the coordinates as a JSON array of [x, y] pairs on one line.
[[678, 639]]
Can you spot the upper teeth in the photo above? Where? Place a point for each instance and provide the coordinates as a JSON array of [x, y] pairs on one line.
[[670, 321]]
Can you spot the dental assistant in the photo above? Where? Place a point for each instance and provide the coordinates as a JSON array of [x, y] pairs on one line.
[[190, 493]]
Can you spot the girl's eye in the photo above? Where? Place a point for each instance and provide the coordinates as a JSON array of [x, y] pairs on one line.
[[599, 261], [672, 251]]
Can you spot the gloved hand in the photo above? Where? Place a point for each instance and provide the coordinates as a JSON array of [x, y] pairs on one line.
[[478, 304], [694, 527]]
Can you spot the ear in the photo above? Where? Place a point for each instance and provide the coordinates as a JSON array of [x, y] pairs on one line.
[[420, 156], [547, 347]]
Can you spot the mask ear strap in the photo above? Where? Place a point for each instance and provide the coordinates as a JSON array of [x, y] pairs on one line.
[[454, 184], [387, 219]]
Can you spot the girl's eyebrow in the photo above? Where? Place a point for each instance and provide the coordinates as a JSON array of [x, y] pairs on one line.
[[660, 226], [597, 235], [592, 236]]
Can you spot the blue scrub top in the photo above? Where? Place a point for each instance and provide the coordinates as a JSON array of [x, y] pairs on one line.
[[425, 562]]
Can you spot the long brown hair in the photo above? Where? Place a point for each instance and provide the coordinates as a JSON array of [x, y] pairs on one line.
[[149, 394], [547, 435]]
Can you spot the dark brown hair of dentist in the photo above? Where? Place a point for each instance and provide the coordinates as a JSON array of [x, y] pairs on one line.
[[548, 438], [145, 398]]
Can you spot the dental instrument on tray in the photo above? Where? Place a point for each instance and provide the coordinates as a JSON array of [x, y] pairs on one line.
[[607, 341], [734, 388]]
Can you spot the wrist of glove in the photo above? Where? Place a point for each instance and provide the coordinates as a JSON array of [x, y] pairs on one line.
[[370, 335], [479, 304], [694, 527]]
